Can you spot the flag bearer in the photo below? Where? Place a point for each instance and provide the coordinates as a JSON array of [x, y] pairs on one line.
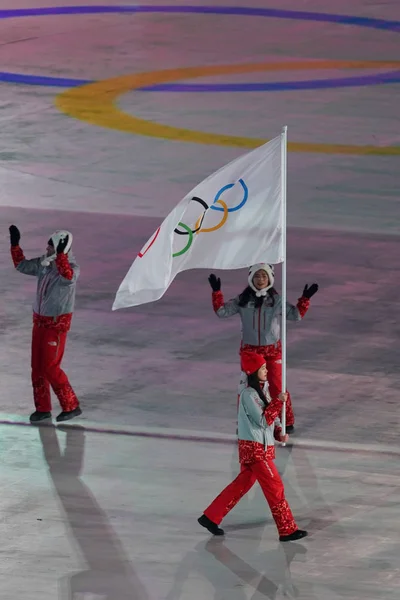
[[258, 427]]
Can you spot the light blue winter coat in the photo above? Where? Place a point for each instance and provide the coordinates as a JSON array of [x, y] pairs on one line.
[[256, 422]]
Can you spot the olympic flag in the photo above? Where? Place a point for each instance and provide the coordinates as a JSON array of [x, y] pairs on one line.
[[234, 218]]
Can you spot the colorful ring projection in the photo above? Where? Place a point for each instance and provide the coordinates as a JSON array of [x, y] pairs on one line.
[[244, 11], [95, 104], [162, 85], [187, 88]]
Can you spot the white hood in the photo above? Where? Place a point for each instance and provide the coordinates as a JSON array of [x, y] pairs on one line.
[[269, 269], [56, 237]]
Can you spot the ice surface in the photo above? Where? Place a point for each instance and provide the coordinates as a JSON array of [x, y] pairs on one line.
[[108, 509]]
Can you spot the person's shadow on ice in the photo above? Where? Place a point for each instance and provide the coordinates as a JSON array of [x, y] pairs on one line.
[[109, 573]]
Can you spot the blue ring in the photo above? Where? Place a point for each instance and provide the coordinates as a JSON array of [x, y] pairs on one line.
[[379, 79], [221, 10], [279, 86], [276, 86], [228, 187]]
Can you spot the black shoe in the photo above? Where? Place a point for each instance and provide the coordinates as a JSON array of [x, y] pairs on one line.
[[290, 429], [212, 527], [296, 535], [66, 416], [39, 416]]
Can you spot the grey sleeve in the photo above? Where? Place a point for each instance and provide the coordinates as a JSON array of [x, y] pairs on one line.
[[228, 309], [292, 312], [29, 266]]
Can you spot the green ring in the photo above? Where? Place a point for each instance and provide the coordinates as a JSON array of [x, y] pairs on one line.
[[190, 240]]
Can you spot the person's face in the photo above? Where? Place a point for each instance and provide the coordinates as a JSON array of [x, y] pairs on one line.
[[260, 279], [262, 373], [50, 248]]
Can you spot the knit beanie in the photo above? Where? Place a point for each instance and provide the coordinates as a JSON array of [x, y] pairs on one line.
[[251, 362]]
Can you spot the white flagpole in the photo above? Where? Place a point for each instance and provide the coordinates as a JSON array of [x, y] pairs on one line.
[[284, 218]]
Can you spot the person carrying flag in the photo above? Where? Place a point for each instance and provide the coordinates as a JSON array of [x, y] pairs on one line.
[[258, 427]]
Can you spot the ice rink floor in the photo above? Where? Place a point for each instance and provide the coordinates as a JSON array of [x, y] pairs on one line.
[[106, 507]]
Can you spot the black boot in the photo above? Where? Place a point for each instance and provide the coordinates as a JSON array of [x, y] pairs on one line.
[[212, 527], [66, 416], [296, 535], [39, 416]]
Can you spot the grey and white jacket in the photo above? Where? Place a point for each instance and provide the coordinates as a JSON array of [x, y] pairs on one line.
[[260, 326], [56, 283]]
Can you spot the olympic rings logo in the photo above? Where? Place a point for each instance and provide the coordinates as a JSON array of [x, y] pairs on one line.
[[198, 227], [223, 207]]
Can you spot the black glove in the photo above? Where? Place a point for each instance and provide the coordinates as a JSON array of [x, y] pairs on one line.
[[214, 282], [62, 244], [310, 291], [15, 235]]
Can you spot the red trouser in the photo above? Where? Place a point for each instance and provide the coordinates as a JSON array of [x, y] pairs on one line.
[[266, 473], [48, 345], [273, 359]]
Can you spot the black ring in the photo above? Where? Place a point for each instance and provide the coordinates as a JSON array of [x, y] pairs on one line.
[[206, 207]]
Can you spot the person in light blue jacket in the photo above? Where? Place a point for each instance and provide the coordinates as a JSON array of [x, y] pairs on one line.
[[258, 428]]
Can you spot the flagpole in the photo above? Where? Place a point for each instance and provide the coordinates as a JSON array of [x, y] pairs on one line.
[[284, 219]]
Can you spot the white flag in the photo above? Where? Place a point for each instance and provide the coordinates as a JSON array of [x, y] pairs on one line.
[[231, 220]]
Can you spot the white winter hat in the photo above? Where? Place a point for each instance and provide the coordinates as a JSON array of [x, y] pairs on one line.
[[269, 269], [55, 238]]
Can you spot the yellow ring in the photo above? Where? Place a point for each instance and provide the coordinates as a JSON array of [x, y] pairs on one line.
[[220, 224], [94, 103]]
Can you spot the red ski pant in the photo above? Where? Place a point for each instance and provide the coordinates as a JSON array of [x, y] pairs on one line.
[[266, 473], [48, 347]]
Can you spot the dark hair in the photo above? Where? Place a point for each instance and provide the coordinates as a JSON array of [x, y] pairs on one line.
[[249, 294], [254, 382]]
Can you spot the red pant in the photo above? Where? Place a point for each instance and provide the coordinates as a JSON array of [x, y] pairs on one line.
[[273, 359], [265, 472], [48, 347]]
